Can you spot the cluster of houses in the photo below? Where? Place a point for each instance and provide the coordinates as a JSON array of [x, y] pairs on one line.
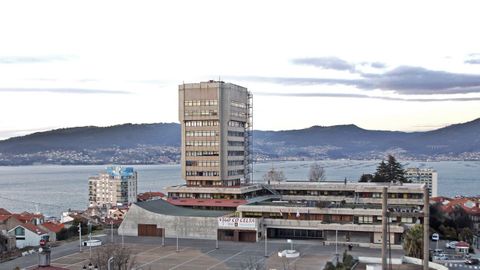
[[471, 206], [24, 229], [20, 230]]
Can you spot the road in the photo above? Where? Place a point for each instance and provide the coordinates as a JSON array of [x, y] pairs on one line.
[[313, 247]]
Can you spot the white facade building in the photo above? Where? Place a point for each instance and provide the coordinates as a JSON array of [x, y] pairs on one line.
[[116, 186], [424, 176]]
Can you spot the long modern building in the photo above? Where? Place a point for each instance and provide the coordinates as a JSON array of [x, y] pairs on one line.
[[424, 176], [115, 186], [219, 200]]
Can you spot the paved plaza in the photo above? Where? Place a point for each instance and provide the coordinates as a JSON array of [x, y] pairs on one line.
[[149, 254]]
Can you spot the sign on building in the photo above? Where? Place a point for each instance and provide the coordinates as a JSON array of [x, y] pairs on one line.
[[236, 222]]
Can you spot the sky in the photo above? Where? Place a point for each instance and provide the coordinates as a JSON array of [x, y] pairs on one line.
[[384, 65]]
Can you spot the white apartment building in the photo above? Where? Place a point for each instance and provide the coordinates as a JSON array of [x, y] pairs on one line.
[[424, 176], [116, 186]]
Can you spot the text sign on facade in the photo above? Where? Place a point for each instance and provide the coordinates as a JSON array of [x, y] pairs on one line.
[[236, 222]]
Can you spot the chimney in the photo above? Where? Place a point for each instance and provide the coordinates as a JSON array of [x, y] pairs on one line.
[[44, 256]]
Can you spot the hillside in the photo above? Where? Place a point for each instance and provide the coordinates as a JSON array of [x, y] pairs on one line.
[[159, 143]]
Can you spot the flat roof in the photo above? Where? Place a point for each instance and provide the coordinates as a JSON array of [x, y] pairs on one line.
[[166, 208]]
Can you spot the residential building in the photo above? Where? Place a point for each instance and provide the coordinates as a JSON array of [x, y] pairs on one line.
[[116, 186], [52, 228], [471, 206], [424, 176], [28, 234]]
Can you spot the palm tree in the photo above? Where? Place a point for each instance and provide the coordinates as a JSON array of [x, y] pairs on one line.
[[413, 242]]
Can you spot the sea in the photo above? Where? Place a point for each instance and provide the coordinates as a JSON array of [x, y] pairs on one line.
[[52, 189]]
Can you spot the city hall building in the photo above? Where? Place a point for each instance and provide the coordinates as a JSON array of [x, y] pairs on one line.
[[219, 200]]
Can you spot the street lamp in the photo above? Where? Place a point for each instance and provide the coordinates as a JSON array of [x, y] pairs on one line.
[[110, 260]]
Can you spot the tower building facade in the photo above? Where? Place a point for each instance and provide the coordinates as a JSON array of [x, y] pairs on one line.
[[216, 124]]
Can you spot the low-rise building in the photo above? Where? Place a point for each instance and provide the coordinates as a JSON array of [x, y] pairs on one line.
[[424, 176], [28, 234], [331, 211], [116, 186]]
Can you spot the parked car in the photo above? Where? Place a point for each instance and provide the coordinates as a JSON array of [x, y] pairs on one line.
[[435, 237], [472, 261], [438, 250], [440, 257], [452, 244]]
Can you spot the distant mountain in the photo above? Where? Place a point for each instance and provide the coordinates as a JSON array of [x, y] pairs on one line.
[[159, 143]]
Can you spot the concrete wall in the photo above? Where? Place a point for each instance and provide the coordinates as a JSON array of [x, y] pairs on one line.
[[186, 227]]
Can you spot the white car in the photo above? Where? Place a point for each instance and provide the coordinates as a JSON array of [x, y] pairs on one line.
[[452, 244], [435, 237]]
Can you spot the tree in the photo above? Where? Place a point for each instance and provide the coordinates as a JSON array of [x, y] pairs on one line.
[[252, 264], [122, 257], [274, 176], [366, 177], [466, 235], [390, 171], [317, 173], [413, 241]]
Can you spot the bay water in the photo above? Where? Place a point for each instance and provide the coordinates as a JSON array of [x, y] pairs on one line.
[[52, 189]]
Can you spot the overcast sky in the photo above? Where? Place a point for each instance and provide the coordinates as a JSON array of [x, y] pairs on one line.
[[389, 65]]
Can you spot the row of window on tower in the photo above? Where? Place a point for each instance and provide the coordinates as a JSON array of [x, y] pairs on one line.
[[236, 124], [202, 133], [236, 133], [202, 173], [238, 114], [211, 102], [235, 172], [237, 104], [201, 153], [201, 113], [202, 163], [202, 143], [235, 143], [201, 123]]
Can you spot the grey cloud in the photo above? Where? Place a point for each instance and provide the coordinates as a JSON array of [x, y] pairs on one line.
[[326, 62], [62, 91], [341, 95], [402, 80], [473, 61], [31, 59], [378, 65]]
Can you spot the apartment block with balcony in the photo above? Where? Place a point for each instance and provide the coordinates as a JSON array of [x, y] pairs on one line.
[[424, 176], [116, 186]]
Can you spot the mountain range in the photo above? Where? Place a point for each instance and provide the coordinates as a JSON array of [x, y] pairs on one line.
[[159, 143]]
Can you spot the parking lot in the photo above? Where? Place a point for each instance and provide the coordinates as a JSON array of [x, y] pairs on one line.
[[200, 254]]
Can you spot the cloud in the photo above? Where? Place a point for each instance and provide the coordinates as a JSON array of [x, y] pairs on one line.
[[473, 61], [62, 91], [326, 63], [402, 80], [31, 59], [342, 95]]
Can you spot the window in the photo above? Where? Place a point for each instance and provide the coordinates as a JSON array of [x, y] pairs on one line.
[[202, 143], [365, 219], [236, 124], [235, 134], [20, 233]]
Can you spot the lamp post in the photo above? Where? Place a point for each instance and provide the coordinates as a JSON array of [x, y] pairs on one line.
[[110, 260], [80, 235]]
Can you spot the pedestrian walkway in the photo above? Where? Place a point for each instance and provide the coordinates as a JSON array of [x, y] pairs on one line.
[[456, 265]]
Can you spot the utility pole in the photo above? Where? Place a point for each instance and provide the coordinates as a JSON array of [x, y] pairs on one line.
[[80, 235], [111, 231], [384, 228], [426, 227], [266, 247]]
